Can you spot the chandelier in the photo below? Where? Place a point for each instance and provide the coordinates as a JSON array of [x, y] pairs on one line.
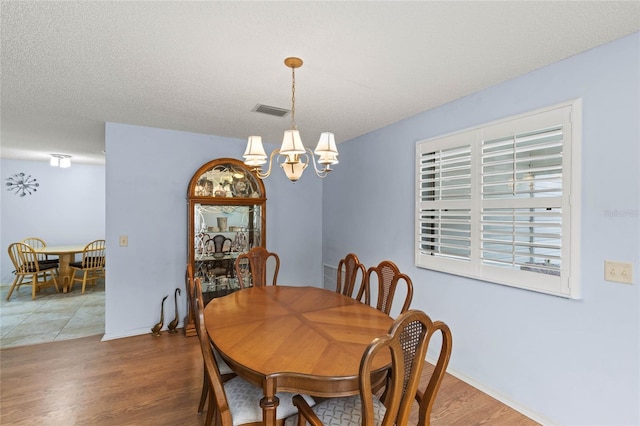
[[292, 156]]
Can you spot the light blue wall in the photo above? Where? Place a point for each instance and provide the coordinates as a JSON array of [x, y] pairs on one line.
[[574, 362], [148, 171], [67, 208]]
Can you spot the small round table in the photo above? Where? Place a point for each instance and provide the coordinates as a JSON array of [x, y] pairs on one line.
[[66, 254]]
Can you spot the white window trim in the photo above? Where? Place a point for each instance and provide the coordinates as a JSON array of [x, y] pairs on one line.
[[568, 283]]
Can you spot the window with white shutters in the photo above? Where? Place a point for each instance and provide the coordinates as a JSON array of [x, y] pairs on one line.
[[500, 202]]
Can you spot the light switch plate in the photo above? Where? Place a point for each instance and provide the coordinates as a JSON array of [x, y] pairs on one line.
[[620, 272], [124, 240]]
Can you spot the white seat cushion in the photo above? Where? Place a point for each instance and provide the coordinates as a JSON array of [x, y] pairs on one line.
[[244, 402], [345, 411], [222, 365]]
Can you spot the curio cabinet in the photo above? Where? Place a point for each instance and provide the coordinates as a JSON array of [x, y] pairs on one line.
[[226, 217]]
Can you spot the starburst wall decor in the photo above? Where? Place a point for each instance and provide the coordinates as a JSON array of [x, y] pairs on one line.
[[22, 185]]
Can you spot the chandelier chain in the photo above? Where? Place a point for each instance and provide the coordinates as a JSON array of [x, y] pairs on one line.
[[293, 98]]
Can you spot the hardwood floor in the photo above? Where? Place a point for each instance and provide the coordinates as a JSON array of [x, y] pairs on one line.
[[460, 404], [146, 380]]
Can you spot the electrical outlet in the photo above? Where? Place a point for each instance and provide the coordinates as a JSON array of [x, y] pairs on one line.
[[619, 272], [124, 241]]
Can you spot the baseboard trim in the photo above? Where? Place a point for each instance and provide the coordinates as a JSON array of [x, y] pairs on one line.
[[129, 333], [497, 395]]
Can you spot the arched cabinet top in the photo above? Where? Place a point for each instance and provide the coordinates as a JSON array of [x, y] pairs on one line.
[[226, 180]]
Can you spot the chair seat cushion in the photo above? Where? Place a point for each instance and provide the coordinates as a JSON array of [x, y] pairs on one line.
[[43, 267], [244, 402], [54, 262], [79, 265], [345, 411], [222, 365]]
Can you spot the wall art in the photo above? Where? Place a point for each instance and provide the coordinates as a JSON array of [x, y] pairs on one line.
[[22, 184]]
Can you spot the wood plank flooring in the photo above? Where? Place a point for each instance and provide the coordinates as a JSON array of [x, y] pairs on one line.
[[146, 380]]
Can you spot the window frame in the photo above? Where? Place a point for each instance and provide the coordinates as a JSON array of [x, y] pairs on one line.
[[567, 283]]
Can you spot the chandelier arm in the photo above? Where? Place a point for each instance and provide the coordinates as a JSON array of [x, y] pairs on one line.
[[266, 174], [320, 173]]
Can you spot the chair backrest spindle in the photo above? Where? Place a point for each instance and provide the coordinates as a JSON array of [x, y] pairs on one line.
[[93, 256], [15, 254], [36, 243]]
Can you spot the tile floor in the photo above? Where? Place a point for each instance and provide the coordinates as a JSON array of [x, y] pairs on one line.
[[51, 316]]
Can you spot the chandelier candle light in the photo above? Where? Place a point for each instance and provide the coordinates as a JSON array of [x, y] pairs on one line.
[[292, 152]]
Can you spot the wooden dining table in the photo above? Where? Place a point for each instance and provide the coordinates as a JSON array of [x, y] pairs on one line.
[[295, 339], [66, 255]]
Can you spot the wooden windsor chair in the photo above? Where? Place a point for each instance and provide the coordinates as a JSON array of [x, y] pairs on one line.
[[92, 265], [29, 270]]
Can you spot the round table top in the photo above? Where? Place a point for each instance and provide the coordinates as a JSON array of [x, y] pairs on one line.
[[70, 248], [305, 332]]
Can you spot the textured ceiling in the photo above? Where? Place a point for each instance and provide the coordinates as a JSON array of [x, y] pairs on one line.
[[68, 67]]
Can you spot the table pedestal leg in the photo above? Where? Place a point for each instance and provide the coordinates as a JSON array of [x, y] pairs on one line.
[[64, 270]]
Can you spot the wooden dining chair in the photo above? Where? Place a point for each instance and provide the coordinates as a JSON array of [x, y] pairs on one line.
[[386, 277], [27, 267], [38, 243], [407, 342], [188, 285], [92, 265], [349, 269], [191, 298], [236, 401], [427, 397], [194, 288], [256, 266]]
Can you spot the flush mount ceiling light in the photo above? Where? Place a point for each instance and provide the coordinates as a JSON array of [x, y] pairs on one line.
[[293, 157], [60, 160]]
